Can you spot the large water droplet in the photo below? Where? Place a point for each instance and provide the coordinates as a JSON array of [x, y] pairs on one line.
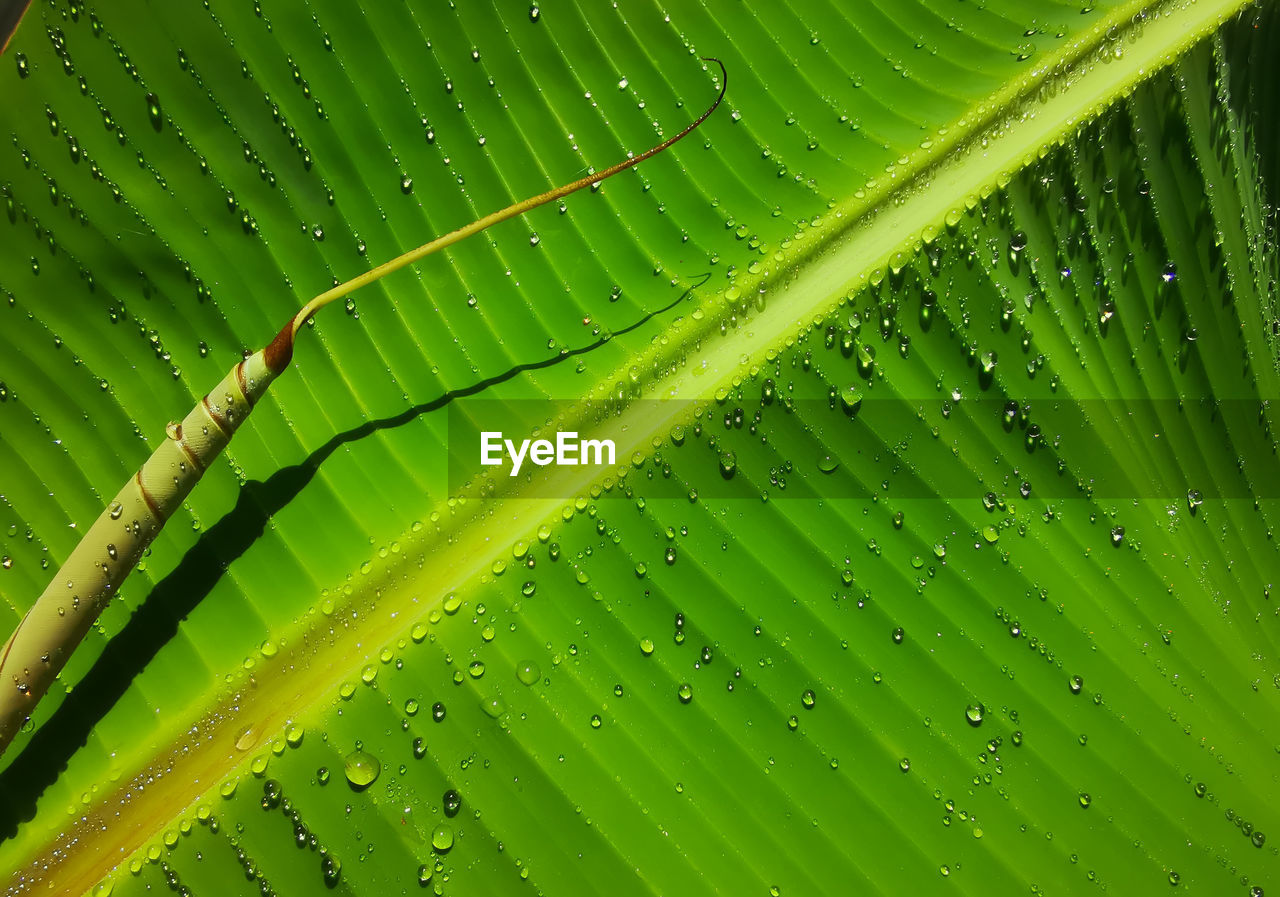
[[527, 672], [362, 769], [153, 111], [442, 838], [728, 465], [851, 399]]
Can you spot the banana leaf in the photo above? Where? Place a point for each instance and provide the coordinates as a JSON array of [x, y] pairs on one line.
[[938, 552]]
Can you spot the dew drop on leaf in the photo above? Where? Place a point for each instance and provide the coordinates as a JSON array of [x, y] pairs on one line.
[[851, 399], [330, 870], [362, 769], [153, 111], [728, 465], [527, 672], [442, 838]]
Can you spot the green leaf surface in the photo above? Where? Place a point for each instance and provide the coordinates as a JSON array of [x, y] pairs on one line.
[[751, 659]]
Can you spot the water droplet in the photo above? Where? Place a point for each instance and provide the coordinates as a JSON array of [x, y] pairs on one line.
[[728, 465], [406, 184], [452, 801], [1085, 800], [646, 646], [437, 712], [1077, 684], [897, 636], [1117, 535], [534, 13], [442, 838], [24, 69], [808, 699], [827, 463], [527, 672], [425, 871], [362, 769], [271, 794], [153, 111], [685, 693], [330, 870], [247, 738], [851, 399], [974, 713]]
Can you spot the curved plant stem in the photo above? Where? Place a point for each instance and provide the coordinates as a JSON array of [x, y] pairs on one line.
[[47, 635]]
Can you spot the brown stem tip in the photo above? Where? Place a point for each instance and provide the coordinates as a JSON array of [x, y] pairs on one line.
[[279, 352]]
